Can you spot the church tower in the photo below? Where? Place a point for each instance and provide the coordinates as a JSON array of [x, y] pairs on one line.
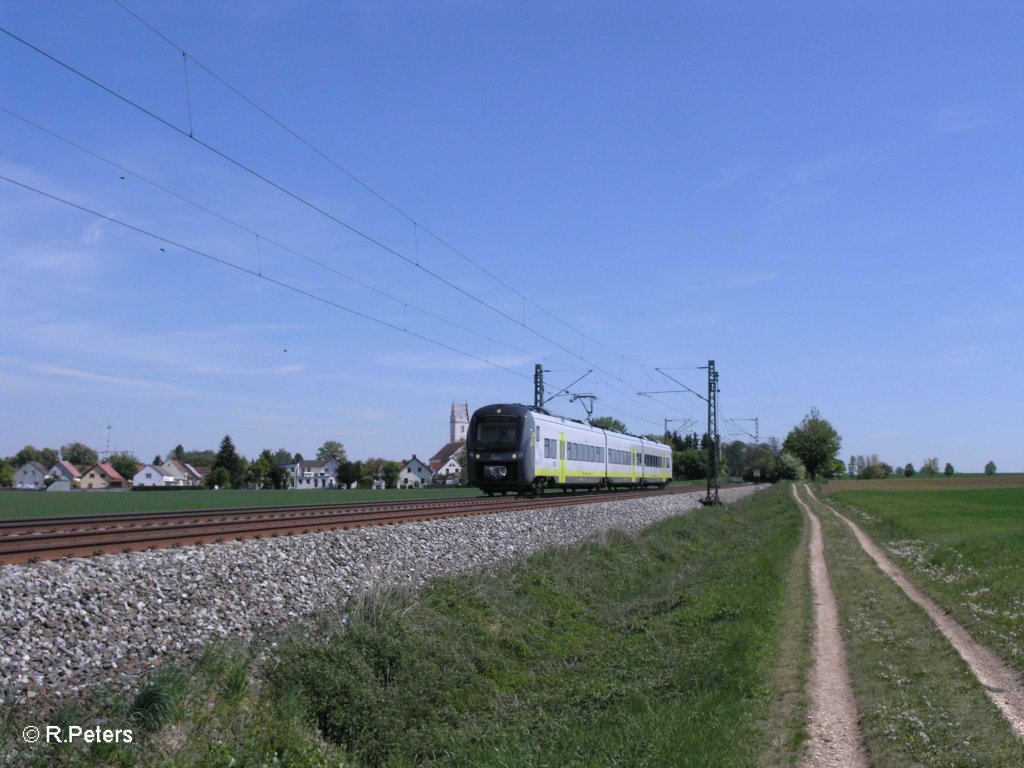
[[459, 422]]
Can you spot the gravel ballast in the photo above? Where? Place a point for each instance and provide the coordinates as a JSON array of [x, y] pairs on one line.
[[72, 624]]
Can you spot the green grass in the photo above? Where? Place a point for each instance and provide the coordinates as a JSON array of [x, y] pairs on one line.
[[15, 504], [963, 547], [919, 703], [656, 649]]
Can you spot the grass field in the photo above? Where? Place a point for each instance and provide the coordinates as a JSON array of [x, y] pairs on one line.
[[962, 545], [15, 504], [919, 703], [39, 504], [656, 649], [917, 483]]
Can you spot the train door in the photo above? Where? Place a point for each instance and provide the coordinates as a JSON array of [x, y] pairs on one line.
[[561, 458]]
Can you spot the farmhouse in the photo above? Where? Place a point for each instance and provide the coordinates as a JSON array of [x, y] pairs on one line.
[[102, 476]]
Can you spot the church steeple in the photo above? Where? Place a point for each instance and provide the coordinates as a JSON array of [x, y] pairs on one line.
[[459, 422]]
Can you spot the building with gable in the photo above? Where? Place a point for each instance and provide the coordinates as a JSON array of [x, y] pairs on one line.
[[102, 476], [30, 476], [414, 474], [446, 464]]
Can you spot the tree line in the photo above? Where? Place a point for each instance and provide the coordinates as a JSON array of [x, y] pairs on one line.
[[228, 469]]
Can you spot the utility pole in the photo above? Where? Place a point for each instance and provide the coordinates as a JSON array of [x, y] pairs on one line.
[[713, 440], [538, 386], [714, 443]]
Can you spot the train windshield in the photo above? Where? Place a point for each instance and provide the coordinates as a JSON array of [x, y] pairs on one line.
[[497, 431]]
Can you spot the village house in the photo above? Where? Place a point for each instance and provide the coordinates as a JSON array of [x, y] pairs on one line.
[[65, 470], [30, 476], [313, 473], [152, 476], [414, 474], [445, 464], [182, 475], [102, 476]]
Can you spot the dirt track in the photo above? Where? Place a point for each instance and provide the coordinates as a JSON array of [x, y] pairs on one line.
[[835, 737], [1001, 683]]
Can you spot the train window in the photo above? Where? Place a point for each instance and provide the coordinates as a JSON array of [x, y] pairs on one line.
[[498, 430]]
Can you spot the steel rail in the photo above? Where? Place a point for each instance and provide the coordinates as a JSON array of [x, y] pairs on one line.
[[48, 538]]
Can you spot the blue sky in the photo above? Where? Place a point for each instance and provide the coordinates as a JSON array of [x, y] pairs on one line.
[[824, 198]]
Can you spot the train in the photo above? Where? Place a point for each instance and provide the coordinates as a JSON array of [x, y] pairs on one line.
[[525, 449]]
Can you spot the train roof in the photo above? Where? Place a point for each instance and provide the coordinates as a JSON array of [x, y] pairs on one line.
[[521, 410]]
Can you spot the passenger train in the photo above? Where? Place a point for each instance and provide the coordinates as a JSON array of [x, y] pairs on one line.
[[523, 449]]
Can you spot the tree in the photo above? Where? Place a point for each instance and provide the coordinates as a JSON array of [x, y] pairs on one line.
[[814, 442], [908, 471], [852, 466], [930, 467], [178, 454], [949, 471], [282, 456], [331, 448], [27, 454], [735, 458], [228, 459], [218, 478], [691, 464], [259, 470], [607, 422], [349, 472], [789, 467], [79, 454], [990, 468], [124, 463]]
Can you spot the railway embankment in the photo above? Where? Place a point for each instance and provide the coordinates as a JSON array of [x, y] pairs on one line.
[[70, 625]]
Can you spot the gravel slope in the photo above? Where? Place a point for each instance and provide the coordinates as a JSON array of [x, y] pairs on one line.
[[71, 624]]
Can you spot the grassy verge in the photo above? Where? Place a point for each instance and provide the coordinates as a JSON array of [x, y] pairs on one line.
[[963, 547], [919, 703], [658, 649]]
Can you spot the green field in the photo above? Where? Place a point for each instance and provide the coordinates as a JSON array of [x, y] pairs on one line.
[[919, 703], [39, 504], [964, 546], [15, 504]]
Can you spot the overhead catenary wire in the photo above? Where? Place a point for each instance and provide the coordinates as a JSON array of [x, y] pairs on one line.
[[263, 238], [298, 198], [285, 191], [274, 281], [357, 180]]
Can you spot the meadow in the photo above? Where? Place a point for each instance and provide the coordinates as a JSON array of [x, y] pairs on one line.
[[15, 504], [963, 543]]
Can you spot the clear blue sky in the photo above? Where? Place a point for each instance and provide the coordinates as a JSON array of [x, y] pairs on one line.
[[824, 198]]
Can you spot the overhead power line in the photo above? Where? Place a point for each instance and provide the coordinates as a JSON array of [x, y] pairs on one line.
[[245, 270], [298, 198]]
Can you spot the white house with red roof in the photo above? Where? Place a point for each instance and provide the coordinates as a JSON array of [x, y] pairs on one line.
[[65, 470]]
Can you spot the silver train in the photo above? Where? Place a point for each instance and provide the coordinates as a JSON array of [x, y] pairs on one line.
[[517, 448]]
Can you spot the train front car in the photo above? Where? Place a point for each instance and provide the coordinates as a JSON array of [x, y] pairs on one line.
[[499, 451]]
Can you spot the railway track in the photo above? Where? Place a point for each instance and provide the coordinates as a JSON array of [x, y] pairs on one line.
[[31, 540]]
